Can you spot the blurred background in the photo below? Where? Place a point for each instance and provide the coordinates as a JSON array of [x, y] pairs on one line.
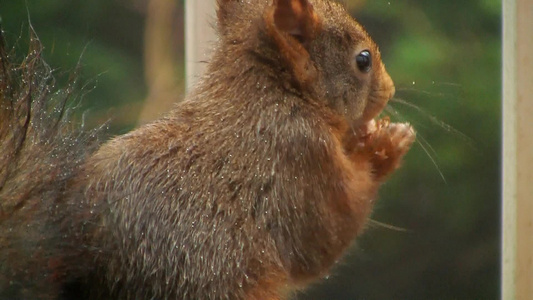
[[436, 228]]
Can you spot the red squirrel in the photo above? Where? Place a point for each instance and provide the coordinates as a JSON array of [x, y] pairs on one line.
[[250, 188]]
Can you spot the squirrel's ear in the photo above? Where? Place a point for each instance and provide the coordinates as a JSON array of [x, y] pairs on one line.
[[297, 18], [292, 24]]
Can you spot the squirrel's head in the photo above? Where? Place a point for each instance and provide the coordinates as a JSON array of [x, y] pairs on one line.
[[316, 46]]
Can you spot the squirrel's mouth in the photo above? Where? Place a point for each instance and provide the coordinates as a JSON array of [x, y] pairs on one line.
[[378, 99], [377, 102]]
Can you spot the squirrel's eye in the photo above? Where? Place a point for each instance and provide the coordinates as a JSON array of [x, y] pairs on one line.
[[364, 61]]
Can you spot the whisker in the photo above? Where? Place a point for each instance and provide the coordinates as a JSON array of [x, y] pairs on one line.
[[433, 83], [419, 91], [395, 113], [429, 147], [448, 84], [433, 93], [387, 226], [447, 127], [420, 141], [424, 144]]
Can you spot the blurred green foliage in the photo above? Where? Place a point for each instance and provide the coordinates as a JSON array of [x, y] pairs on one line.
[[105, 37], [445, 59]]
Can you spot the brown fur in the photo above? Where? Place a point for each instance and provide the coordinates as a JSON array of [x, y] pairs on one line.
[[41, 150], [258, 181]]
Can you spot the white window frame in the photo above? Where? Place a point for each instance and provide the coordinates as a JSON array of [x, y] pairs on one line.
[[517, 200]]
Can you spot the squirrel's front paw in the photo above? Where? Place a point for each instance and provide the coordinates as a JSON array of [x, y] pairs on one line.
[[385, 143]]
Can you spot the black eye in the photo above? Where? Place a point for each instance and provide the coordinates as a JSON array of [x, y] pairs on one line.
[[364, 61]]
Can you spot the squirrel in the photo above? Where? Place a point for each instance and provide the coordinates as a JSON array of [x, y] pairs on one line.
[[252, 187]]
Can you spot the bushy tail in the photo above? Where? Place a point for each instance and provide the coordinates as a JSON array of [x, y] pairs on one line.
[[40, 152]]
